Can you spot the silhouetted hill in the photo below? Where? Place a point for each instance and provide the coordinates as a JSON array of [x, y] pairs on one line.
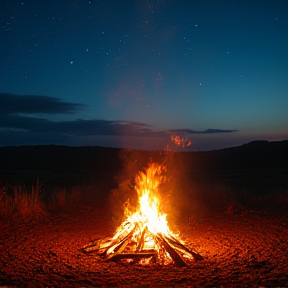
[[58, 164], [58, 157], [62, 164], [256, 154]]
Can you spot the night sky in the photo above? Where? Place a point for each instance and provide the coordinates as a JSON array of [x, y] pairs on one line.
[[133, 73]]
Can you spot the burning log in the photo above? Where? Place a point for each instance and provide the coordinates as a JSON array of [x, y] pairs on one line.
[[118, 250], [138, 255], [182, 248], [91, 247], [119, 247], [141, 240], [173, 254], [145, 233]]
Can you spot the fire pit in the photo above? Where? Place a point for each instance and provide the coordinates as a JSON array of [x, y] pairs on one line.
[[144, 236]]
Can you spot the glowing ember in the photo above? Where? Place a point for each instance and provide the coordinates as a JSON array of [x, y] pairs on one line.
[[180, 141], [144, 236]]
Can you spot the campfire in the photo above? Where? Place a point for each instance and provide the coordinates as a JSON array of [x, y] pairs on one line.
[[144, 236]]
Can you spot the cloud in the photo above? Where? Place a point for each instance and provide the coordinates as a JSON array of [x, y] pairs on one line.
[[19, 119], [31, 104], [207, 131], [72, 128]]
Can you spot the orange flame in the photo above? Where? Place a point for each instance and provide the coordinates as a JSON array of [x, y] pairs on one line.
[[149, 210]]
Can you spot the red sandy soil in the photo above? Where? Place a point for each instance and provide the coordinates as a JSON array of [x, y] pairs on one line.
[[239, 251]]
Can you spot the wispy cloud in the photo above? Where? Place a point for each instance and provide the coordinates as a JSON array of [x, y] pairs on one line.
[[20, 114], [32, 104], [73, 127], [207, 131]]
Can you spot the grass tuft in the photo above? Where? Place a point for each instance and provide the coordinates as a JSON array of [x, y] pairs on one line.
[[28, 205], [6, 203], [58, 201]]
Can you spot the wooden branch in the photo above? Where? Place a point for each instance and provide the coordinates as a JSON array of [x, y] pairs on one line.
[[141, 240], [91, 248], [176, 244], [121, 245], [119, 256], [113, 247], [174, 255]]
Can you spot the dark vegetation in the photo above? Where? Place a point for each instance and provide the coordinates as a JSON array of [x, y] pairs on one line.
[[105, 176]]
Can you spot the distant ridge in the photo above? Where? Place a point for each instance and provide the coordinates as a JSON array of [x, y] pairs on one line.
[[254, 154], [68, 166]]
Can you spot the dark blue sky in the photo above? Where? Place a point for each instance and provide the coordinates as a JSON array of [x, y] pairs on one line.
[[133, 73]]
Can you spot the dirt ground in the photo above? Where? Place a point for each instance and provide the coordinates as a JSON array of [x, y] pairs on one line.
[[239, 251]]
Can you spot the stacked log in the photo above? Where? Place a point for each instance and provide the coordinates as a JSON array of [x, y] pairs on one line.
[[131, 242]]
